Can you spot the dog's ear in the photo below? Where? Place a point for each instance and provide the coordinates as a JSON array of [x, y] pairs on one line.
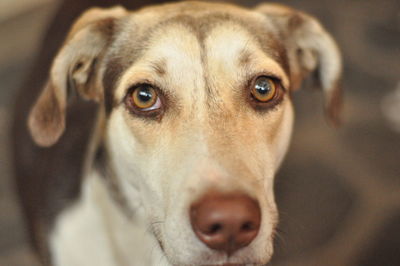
[[74, 70], [310, 50]]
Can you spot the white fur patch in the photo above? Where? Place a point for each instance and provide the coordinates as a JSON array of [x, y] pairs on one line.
[[95, 232]]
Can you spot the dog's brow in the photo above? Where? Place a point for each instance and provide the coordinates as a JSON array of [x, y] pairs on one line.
[[244, 57], [201, 27], [159, 67], [274, 49]]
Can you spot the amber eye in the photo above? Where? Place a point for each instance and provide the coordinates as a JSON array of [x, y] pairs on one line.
[[145, 98], [263, 89]]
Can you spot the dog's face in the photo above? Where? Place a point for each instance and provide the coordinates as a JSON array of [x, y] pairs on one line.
[[197, 100]]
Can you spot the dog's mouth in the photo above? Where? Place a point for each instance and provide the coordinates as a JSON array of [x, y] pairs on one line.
[[227, 264], [235, 264], [229, 260], [161, 245]]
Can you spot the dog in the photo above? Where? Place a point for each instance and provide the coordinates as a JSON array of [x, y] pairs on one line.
[[177, 157]]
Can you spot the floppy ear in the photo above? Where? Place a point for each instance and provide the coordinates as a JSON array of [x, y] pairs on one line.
[[74, 70], [310, 50]]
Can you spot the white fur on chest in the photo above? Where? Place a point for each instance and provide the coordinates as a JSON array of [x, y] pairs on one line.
[[94, 231]]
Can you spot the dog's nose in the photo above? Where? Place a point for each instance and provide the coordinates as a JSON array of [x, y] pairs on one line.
[[226, 222]]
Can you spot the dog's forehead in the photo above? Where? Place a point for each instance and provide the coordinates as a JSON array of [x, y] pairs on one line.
[[195, 43]]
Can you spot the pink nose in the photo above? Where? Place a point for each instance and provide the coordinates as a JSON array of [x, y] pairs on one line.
[[226, 222]]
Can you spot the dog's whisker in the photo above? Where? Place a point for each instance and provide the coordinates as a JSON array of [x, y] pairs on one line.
[[280, 241], [154, 227], [158, 222]]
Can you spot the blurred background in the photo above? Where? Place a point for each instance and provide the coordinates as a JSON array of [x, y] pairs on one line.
[[338, 192]]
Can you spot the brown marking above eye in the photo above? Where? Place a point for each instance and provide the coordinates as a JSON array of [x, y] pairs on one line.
[[265, 92]]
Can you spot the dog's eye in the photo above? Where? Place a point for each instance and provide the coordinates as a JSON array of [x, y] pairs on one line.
[[144, 98], [264, 89]]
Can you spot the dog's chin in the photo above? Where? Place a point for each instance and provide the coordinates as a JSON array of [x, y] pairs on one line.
[[229, 261], [229, 264], [243, 257], [216, 259], [226, 262]]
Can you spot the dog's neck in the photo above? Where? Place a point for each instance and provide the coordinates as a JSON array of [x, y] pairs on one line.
[[105, 170], [98, 159], [99, 231]]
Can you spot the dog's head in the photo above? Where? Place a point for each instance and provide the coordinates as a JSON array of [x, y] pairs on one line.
[[198, 114]]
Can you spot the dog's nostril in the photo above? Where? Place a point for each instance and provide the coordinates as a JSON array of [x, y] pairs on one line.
[[215, 229], [226, 222], [247, 226]]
